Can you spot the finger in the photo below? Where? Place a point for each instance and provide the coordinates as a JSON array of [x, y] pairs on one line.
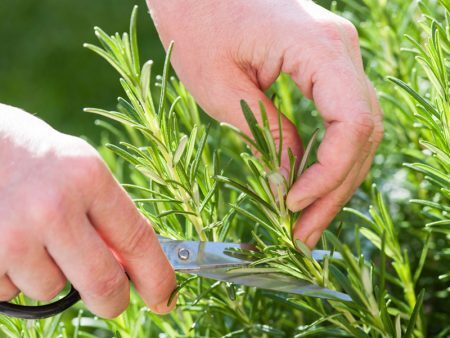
[[350, 123], [134, 242], [319, 215], [36, 274], [316, 217], [7, 289], [91, 267]]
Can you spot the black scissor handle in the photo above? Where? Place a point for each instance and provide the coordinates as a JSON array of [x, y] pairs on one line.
[[40, 311]]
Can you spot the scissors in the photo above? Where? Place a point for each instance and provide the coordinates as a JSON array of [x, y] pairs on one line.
[[214, 260]]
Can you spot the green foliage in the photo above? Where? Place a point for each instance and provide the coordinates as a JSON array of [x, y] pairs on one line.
[[44, 70], [395, 251]]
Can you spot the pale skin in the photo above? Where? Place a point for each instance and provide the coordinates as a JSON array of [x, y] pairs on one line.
[[64, 216]]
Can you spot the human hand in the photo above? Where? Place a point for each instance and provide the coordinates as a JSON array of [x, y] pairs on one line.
[[230, 50], [65, 216]]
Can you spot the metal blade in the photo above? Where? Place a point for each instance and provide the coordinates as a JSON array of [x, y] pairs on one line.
[[214, 259], [272, 281], [319, 255], [192, 255]]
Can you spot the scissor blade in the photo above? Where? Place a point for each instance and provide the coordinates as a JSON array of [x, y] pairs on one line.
[[319, 255], [192, 255], [214, 259], [272, 281]]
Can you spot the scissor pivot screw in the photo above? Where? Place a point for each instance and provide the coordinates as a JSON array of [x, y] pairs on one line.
[[183, 254]]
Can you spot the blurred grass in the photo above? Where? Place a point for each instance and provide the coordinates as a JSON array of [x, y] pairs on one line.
[[45, 70]]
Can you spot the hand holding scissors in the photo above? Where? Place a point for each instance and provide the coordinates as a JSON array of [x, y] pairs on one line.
[[214, 260]]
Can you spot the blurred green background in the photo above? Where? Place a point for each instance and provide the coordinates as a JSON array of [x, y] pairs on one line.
[[45, 70]]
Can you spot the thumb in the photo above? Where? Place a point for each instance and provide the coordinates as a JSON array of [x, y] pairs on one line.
[[228, 110]]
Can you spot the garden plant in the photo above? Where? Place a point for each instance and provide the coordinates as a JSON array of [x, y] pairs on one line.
[[196, 179]]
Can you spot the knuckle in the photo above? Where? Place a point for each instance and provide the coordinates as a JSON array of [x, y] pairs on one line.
[[329, 176], [84, 164], [363, 126], [108, 285], [378, 132], [46, 209], [87, 169], [15, 249], [51, 289], [336, 178], [337, 34], [378, 135], [137, 241], [350, 30], [328, 46], [330, 30]]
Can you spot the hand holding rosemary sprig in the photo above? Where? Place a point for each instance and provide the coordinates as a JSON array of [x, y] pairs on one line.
[[265, 194], [232, 50]]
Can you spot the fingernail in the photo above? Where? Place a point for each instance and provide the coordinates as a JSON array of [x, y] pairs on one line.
[[298, 205], [162, 308], [166, 306]]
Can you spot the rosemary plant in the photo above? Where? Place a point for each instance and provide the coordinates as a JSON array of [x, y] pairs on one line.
[[170, 162]]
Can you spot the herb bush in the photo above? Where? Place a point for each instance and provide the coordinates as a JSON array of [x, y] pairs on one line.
[[199, 180]]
